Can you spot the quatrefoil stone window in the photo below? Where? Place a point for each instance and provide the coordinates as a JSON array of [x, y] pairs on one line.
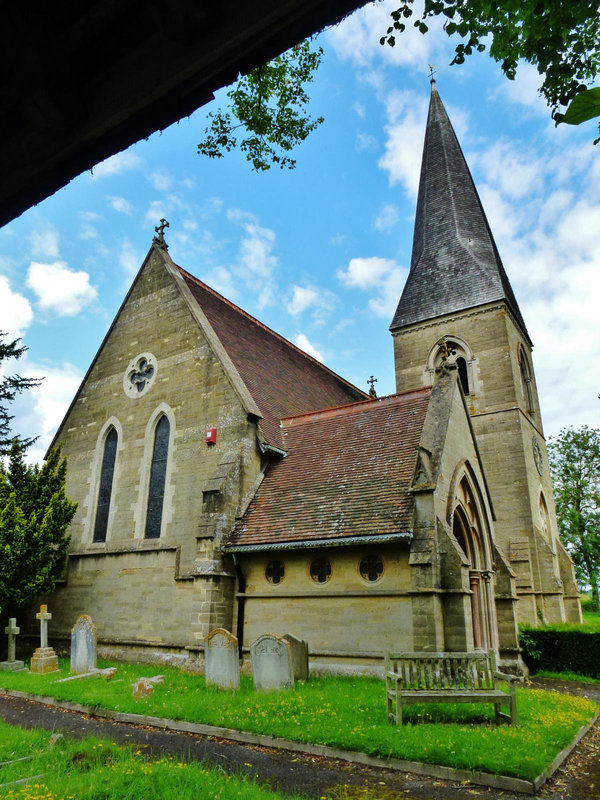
[[139, 375]]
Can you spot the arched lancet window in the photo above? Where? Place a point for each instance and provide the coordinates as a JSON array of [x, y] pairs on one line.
[[456, 352], [158, 471], [526, 381], [544, 519], [463, 374], [105, 489]]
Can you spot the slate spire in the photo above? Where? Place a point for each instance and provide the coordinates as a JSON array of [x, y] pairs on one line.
[[455, 264]]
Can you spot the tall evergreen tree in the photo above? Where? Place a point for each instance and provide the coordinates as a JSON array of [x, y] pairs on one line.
[[10, 387], [34, 518]]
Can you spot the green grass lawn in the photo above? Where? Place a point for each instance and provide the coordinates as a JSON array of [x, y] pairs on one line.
[[97, 769], [343, 712]]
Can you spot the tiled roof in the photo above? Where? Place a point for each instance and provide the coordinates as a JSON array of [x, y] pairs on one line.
[[282, 379], [346, 474], [455, 263]]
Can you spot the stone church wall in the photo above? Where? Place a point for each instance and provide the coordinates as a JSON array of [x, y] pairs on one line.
[[162, 592], [347, 621]]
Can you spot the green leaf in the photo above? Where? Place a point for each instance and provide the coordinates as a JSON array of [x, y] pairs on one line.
[[583, 106]]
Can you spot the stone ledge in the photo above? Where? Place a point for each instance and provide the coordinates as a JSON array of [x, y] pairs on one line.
[[355, 757]]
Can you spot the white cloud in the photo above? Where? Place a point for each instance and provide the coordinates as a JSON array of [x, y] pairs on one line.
[[87, 231], [44, 242], [359, 109], [523, 91], [221, 280], [129, 258], [43, 407], [407, 113], [356, 39], [514, 172], [59, 289], [16, 313], [301, 340], [387, 218], [380, 275], [161, 180], [365, 141], [366, 273], [117, 164], [256, 264], [319, 301], [121, 205]]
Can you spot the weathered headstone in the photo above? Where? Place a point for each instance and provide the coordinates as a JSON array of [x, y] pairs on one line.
[[271, 663], [12, 664], [44, 659], [299, 651], [221, 658], [83, 645]]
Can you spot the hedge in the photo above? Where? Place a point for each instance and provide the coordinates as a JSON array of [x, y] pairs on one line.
[[561, 649]]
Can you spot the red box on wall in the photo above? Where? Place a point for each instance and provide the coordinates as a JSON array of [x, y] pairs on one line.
[[211, 436]]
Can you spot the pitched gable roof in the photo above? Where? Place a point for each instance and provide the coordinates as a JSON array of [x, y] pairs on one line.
[[346, 474], [281, 379], [455, 264]]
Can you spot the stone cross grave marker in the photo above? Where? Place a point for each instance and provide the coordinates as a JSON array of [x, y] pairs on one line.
[[12, 664], [271, 663], [221, 659], [83, 645], [44, 659], [299, 652]]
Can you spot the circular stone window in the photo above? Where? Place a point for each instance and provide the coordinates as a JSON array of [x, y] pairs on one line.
[[139, 375], [320, 570], [371, 568], [275, 571]]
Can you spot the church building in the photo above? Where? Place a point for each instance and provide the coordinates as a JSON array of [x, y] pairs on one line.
[[225, 478]]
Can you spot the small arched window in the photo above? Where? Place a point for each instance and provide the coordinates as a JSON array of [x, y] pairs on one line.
[[105, 489], [544, 519], [463, 374], [456, 353], [158, 471], [526, 381]]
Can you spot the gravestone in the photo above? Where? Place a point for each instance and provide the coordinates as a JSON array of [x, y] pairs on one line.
[[12, 664], [44, 659], [83, 645], [271, 663], [299, 651], [221, 659]]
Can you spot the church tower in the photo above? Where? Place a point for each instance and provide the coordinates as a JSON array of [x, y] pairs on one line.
[[458, 307]]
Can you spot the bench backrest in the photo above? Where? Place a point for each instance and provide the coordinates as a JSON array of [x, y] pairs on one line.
[[470, 671]]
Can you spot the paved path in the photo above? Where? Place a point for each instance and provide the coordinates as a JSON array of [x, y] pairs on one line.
[[311, 776]]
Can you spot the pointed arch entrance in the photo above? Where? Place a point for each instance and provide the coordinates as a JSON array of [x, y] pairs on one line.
[[470, 531]]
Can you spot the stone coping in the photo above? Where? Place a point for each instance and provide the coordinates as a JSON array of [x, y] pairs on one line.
[[353, 756]]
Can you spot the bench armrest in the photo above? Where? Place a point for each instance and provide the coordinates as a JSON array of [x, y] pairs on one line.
[[504, 676]]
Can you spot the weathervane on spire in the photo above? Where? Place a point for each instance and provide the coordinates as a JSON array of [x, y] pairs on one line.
[[432, 71], [160, 239], [372, 381]]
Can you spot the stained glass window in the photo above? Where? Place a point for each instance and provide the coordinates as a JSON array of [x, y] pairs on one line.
[[158, 470], [275, 571], [371, 568], [106, 482], [320, 570]]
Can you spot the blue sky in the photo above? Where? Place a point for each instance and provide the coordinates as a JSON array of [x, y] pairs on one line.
[[320, 253]]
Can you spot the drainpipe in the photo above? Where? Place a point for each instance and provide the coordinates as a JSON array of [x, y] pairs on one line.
[[241, 581]]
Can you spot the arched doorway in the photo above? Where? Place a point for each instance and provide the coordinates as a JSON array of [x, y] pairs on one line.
[[470, 534]]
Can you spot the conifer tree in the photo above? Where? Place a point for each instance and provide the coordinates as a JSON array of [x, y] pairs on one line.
[[10, 387], [34, 518]]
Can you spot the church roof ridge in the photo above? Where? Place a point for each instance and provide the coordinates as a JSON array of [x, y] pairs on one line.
[[266, 328], [350, 408], [455, 263]]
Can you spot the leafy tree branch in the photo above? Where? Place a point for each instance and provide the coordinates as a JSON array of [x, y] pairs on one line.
[[269, 105], [561, 39]]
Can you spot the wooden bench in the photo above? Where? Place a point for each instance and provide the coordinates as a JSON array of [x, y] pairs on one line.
[[447, 678]]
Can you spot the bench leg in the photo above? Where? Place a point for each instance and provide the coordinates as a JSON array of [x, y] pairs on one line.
[[513, 706], [398, 707], [497, 713]]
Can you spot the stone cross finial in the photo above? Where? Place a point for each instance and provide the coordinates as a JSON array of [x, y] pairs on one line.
[[160, 230], [372, 381], [43, 617], [12, 632]]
